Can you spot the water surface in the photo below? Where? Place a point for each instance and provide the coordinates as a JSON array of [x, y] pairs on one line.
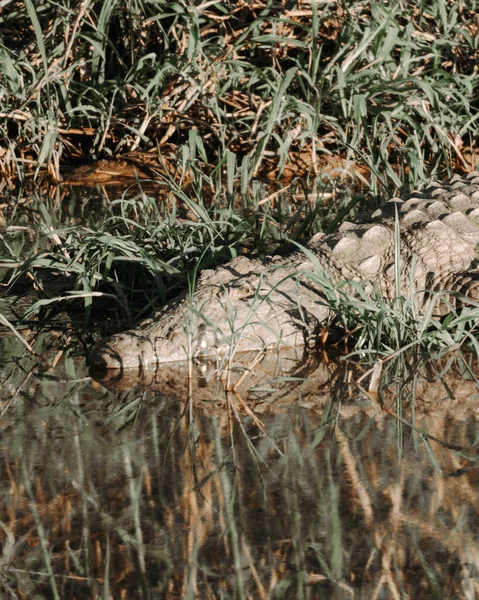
[[292, 487]]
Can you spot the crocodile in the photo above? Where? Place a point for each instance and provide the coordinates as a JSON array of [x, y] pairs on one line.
[[256, 304]]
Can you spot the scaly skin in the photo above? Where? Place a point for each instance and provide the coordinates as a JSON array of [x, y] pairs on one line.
[[249, 305]]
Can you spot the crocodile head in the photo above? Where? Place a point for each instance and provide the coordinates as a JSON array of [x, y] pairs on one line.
[[239, 307], [156, 343]]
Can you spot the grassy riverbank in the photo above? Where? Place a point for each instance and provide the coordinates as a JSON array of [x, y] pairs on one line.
[[242, 89], [253, 115]]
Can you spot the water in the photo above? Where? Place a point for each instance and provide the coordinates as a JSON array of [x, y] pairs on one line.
[[296, 486]]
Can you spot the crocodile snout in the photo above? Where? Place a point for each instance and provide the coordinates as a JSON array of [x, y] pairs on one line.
[[130, 350], [103, 357], [122, 351]]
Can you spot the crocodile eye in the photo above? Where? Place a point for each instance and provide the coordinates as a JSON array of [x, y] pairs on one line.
[[241, 289]]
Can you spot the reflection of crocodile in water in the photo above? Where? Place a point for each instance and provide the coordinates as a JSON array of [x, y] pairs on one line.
[[292, 380], [252, 304]]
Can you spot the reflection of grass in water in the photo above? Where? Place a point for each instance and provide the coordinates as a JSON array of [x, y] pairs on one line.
[[119, 492]]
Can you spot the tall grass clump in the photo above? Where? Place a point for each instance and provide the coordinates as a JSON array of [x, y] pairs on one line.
[[134, 252]]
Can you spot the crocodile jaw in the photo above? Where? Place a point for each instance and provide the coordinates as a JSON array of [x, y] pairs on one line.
[[130, 350], [158, 344], [144, 352]]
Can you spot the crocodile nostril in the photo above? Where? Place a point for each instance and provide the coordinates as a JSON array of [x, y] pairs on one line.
[[102, 358]]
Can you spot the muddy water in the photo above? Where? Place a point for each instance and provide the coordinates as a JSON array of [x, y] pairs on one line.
[[297, 485]]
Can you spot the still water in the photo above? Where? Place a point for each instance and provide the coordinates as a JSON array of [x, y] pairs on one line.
[[299, 484]]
